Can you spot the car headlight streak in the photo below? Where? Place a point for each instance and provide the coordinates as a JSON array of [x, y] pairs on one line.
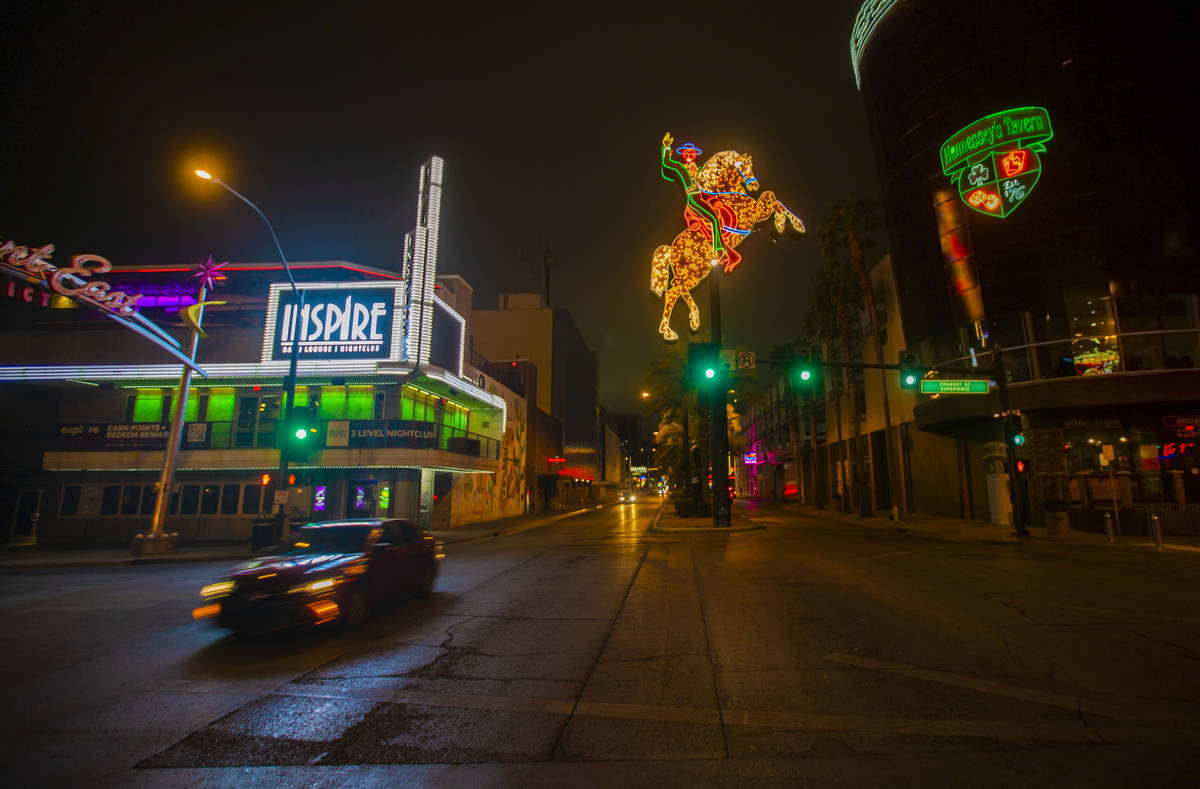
[[219, 589], [316, 587]]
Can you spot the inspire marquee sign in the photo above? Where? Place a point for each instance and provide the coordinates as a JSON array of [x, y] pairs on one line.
[[338, 320]]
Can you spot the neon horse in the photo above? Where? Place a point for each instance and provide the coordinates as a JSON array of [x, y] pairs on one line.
[[724, 185]]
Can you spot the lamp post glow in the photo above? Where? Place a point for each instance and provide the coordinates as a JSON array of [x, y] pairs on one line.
[[290, 384]]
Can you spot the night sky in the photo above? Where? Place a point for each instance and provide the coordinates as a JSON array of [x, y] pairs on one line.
[[549, 121]]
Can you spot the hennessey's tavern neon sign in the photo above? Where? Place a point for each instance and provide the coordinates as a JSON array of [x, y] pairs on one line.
[[995, 159], [33, 266]]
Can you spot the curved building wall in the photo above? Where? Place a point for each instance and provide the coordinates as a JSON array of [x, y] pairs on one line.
[[1113, 218]]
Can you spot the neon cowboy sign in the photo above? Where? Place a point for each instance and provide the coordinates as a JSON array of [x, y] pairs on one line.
[[76, 283]]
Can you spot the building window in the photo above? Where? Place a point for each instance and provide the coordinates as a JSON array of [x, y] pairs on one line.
[[229, 499], [70, 500], [131, 497], [149, 499], [209, 498], [251, 499], [189, 501], [256, 420], [111, 500]]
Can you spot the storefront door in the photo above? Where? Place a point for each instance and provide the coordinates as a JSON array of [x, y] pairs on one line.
[[23, 528]]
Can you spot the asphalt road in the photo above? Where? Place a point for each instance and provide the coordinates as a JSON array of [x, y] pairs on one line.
[[593, 652]]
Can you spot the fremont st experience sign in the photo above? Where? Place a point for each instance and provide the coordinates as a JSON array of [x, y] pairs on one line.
[[344, 320]]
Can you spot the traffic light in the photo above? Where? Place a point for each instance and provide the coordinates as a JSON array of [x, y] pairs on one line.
[[910, 376], [702, 363], [264, 480], [1020, 466], [806, 366], [301, 433], [1019, 439]]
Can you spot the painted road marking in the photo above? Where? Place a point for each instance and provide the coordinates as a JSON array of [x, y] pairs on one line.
[[906, 553], [1125, 615], [971, 683], [801, 721]]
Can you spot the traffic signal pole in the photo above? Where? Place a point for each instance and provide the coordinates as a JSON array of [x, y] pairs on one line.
[[718, 426], [282, 526], [1010, 452]]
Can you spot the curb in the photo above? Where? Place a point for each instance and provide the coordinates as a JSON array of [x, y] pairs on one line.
[[123, 562], [518, 529], [654, 527], [900, 528], [181, 559]]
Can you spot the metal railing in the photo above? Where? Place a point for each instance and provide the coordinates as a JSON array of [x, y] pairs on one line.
[[1029, 361], [262, 434]]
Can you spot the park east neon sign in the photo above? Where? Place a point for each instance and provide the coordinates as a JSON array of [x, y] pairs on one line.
[[994, 161], [33, 266]]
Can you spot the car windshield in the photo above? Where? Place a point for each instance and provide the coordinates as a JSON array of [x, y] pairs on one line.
[[329, 539]]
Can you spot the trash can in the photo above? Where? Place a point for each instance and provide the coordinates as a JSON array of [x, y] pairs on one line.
[[1054, 514], [262, 534]]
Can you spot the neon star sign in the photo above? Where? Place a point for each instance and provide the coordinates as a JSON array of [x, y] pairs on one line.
[[994, 161]]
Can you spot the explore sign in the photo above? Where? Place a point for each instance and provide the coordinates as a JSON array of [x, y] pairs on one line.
[[345, 320], [75, 282]]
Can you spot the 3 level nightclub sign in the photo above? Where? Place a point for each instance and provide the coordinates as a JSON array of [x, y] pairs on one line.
[[33, 265], [994, 160]]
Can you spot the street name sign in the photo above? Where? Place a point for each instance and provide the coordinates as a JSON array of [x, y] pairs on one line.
[[954, 386]]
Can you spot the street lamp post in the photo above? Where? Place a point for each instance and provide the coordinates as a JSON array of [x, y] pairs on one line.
[[157, 540], [290, 384]]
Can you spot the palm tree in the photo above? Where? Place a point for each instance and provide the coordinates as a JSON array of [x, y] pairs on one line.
[[672, 402], [829, 322], [844, 230]]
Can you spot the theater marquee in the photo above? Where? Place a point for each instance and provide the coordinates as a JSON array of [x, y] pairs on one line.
[[338, 320]]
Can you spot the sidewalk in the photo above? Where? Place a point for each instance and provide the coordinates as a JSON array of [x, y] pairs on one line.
[[967, 530], [32, 557]]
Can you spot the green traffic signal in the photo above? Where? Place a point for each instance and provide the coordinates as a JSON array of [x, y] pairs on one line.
[[910, 376], [1019, 439], [303, 424], [709, 372], [805, 375]]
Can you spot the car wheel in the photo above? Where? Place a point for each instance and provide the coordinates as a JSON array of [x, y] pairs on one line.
[[356, 609], [427, 580]]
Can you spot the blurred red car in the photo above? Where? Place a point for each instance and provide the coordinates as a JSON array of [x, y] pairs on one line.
[[331, 571]]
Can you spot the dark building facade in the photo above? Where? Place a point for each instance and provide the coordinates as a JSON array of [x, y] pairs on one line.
[[1038, 184]]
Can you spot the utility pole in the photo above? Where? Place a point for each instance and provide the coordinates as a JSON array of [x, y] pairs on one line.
[[718, 426]]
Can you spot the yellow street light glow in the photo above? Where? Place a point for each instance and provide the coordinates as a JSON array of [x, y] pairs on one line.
[[205, 174], [645, 395]]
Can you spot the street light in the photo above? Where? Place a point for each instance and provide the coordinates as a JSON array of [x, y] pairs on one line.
[[645, 395], [290, 385]]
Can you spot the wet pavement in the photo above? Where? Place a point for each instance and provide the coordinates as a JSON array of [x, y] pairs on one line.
[[598, 650]]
